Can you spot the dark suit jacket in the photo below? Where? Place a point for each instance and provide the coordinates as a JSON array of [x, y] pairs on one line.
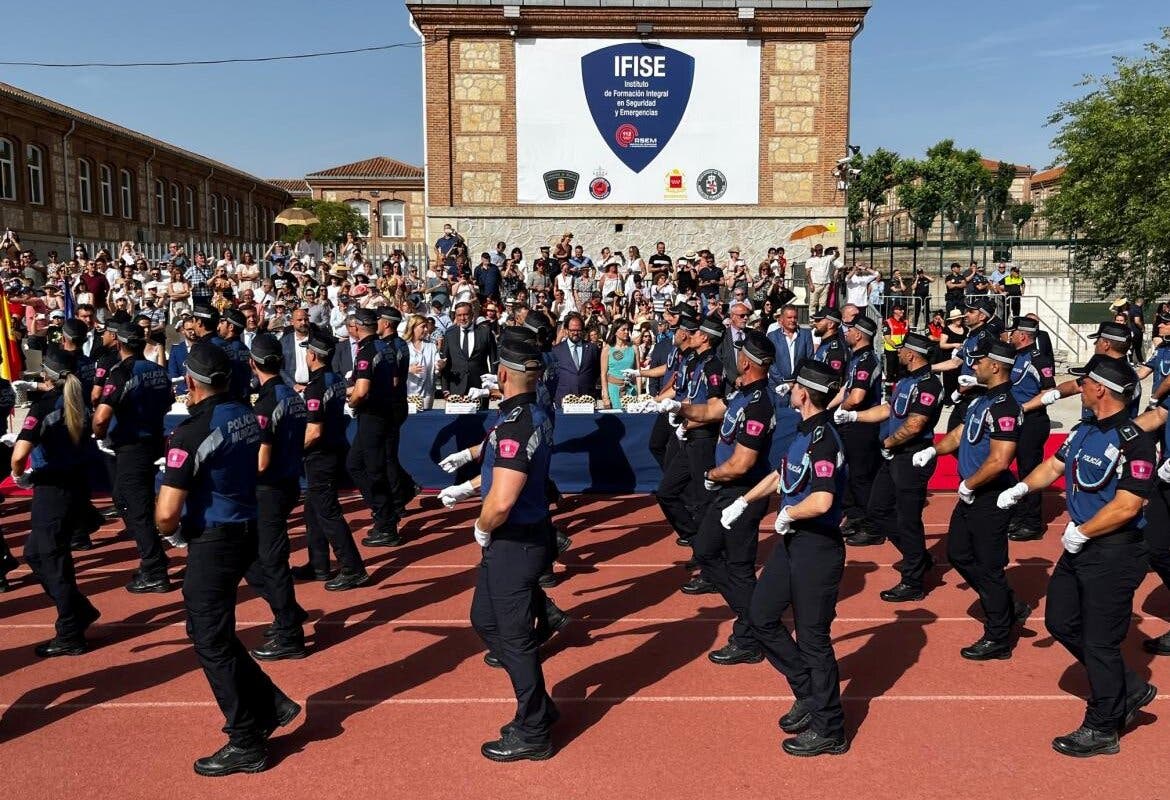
[[343, 357], [573, 380], [176, 365], [782, 368], [461, 373], [728, 355]]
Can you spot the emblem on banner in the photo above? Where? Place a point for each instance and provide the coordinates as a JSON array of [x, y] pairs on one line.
[[637, 93], [711, 184], [561, 184], [600, 187], [676, 187]]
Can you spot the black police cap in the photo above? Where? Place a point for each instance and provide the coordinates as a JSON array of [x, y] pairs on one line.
[[688, 323], [517, 333], [539, 323], [235, 317], [758, 347], [817, 376], [390, 314], [266, 351], [1113, 373], [824, 312], [865, 325], [713, 327], [208, 314], [74, 330], [57, 362], [208, 364], [521, 355], [1114, 332], [1002, 352], [1026, 324], [918, 343], [366, 317], [320, 342], [683, 310], [984, 304], [130, 335]]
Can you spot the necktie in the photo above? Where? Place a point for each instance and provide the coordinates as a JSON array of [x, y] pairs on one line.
[[467, 343], [577, 355], [739, 337]]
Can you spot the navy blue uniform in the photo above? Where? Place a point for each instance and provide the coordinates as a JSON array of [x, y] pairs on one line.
[[1157, 528], [977, 538], [804, 572], [139, 393], [1032, 374], [212, 456], [367, 456], [502, 608], [325, 524], [1090, 595], [397, 351], [240, 384], [977, 341], [59, 485], [281, 414], [899, 488], [662, 435], [727, 558], [860, 439], [833, 352]]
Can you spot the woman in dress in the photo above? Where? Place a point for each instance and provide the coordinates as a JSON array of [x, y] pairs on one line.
[[247, 272], [618, 354], [424, 356]]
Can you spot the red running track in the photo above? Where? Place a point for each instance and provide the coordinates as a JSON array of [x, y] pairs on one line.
[[398, 700]]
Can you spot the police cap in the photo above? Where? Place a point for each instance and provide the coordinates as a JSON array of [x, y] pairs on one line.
[[818, 377], [1002, 352], [1026, 324], [208, 314], [1115, 374], [130, 335], [539, 323], [713, 327], [517, 333], [688, 323], [320, 342], [57, 362], [390, 314], [865, 325], [824, 312], [980, 303], [74, 330], [266, 351], [366, 317], [682, 310], [918, 343], [758, 347], [1112, 332], [208, 364], [521, 355], [236, 318]]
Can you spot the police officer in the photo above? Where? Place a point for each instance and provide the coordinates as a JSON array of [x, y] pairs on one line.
[[229, 329], [1159, 363], [697, 431], [977, 537], [55, 437], [982, 330], [899, 488], [8, 562], [73, 335], [324, 447], [1111, 341], [208, 497], [673, 493], [832, 349], [513, 530], [1157, 515], [863, 390], [805, 568], [281, 413], [394, 348], [371, 399], [205, 321], [1032, 375], [1108, 467], [725, 545], [671, 375], [105, 358], [135, 398]]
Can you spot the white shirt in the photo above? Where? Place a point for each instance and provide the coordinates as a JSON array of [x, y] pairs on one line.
[[857, 289], [820, 269], [311, 251], [301, 373]]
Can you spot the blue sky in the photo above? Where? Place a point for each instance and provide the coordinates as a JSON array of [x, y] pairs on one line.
[[987, 74]]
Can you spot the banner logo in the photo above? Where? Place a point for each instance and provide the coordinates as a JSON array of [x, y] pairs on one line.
[[561, 184], [711, 185], [637, 93], [676, 187]]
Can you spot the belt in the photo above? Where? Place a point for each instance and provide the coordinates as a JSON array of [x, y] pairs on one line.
[[911, 448], [1036, 412], [223, 532], [527, 531], [1118, 538], [701, 433]]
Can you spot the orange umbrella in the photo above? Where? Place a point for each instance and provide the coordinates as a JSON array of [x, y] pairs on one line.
[[811, 230]]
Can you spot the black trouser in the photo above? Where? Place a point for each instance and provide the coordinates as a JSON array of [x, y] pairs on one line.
[[892, 370], [895, 511], [804, 572], [48, 555], [1090, 601], [401, 482], [660, 436], [134, 497], [1029, 455], [1139, 355], [1157, 531], [955, 301], [1013, 309], [700, 452], [270, 574], [367, 467], [977, 546], [727, 558], [325, 524], [502, 615], [863, 454], [673, 489], [217, 559]]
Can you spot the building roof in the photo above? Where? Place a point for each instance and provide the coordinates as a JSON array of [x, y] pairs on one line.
[[1021, 169], [7, 90], [1048, 175], [829, 5], [297, 187], [378, 167]]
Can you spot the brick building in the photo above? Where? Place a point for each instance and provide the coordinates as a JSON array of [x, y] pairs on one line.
[[65, 174], [388, 193], [470, 113]]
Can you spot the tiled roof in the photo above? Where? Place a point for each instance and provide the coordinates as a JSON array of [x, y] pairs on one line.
[[376, 167], [7, 90], [297, 187], [1048, 175], [994, 165]]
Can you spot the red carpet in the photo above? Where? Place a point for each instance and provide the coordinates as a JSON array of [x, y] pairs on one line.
[[398, 699]]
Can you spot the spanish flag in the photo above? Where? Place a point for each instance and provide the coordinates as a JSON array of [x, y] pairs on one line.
[[9, 370]]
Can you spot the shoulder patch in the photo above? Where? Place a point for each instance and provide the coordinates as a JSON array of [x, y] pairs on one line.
[[1128, 432], [756, 395], [514, 414]]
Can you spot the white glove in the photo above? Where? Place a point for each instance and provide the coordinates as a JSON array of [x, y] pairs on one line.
[[350, 411], [733, 512], [887, 454], [475, 393], [680, 433], [482, 538], [670, 406], [349, 375], [8, 439], [1073, 540], [629, 375], [175, 539], [1154, 403], [24, 385], [956, 396], [842, 417], [489, 380], [105, 446], [923, 457], [966, 494], [23, 480], [782, 389], [453, 462], [178, 381], [783, 522], [967, 381], [453, 494], [1009, 497], [710, 485], [1050, 397], [1164, 471]]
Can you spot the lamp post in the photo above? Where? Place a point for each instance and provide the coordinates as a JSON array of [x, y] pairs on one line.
[[844, 173]]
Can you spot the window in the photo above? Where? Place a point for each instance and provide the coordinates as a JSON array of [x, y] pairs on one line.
[[126, 182], [393, 219], [7, 171], [84, 186], [106, 184], [160, 202], [225, 209], [176, 206], [35, 160], [214, 213], [360, 207], [191, 207], [236, 217]]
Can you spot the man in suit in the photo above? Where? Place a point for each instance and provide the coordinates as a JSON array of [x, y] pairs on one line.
[[294, 369], [177, 360], [793, 345], [578, 362], [346, 350], [737, 316], [468, 352]]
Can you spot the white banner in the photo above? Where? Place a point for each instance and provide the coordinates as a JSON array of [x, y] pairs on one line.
[[601, 121]]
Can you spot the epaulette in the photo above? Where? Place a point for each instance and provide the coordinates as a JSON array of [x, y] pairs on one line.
[[514, 414], [1128, 432], [756, 395]]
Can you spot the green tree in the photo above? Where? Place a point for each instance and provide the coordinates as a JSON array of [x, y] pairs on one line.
[[962, 183], [919, 197], [334, 220], [997, 196], [1019, 214], [1114, 198]]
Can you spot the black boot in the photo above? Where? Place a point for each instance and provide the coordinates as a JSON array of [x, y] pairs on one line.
[[811, 743], [276, 650], [347, 580], [386, 538], [732, 653], [231, 759], [797, 718], [1085, 742], [511, 748], [986, 649]]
